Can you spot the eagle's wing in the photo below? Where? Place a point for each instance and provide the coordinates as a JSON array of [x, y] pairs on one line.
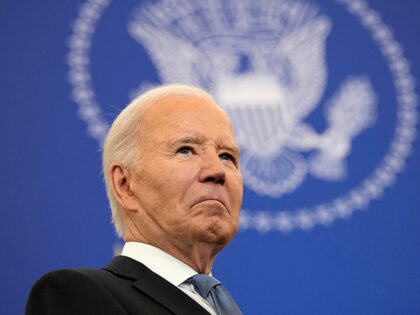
[[303, 51], [176, 59]]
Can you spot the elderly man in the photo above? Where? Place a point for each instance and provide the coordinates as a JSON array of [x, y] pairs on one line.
[[171, 168]]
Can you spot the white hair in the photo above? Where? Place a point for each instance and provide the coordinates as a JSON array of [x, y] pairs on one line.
[[122, 145]]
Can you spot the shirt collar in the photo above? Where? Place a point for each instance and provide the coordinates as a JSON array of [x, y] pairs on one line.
[[159, 261]]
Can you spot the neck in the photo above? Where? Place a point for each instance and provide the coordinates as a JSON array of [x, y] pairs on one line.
[[199, 257], [198, 253]]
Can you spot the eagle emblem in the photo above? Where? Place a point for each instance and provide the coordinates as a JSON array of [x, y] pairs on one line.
[[265, 64]]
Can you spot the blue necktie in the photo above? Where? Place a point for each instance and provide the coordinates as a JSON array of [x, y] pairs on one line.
[[213, 291]]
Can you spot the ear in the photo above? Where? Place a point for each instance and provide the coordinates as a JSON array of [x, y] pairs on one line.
[[120, 177]]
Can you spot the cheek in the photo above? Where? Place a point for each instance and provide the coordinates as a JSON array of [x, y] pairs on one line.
[[239, 186], [175, 189], [182, 177], [236, 193]]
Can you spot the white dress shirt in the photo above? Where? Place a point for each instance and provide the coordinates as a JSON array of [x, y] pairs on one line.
[[168, 267]]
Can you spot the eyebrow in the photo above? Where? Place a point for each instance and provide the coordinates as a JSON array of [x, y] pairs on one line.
[[233, 148], [187, 140], [199, 140]]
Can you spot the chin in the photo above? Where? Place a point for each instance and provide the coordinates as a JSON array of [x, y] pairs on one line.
[[217, 231]]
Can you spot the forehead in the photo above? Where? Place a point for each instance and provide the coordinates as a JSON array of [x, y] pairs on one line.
[[183, 114]]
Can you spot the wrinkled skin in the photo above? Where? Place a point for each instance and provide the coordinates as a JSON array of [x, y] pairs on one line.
[[185, 193]]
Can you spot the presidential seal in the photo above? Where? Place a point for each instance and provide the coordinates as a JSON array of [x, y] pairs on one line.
[[268, 64]]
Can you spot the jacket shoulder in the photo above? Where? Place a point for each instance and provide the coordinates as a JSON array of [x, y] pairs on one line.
[[71, 291]]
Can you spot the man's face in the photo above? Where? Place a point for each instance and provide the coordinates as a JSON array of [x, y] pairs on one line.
[[187, 182]]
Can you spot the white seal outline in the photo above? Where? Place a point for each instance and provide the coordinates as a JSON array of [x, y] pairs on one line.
[[283, 220]]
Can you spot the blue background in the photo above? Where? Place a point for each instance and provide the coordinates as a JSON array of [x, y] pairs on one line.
[[55, 211]]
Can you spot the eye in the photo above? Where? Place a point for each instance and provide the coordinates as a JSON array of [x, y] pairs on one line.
[[184, 150], [226, 157]]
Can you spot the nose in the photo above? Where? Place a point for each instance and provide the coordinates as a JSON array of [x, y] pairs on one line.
[[212, 169]]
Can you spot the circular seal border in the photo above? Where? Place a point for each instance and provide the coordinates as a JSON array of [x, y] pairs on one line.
[[283, 220]]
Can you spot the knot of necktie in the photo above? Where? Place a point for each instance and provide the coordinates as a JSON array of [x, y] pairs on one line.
[[204, 284], [215, 293]]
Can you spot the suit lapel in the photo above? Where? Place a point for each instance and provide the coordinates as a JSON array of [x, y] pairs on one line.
[[157, 288]]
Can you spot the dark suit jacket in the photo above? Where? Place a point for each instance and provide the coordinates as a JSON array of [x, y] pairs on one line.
[[125, 286]]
